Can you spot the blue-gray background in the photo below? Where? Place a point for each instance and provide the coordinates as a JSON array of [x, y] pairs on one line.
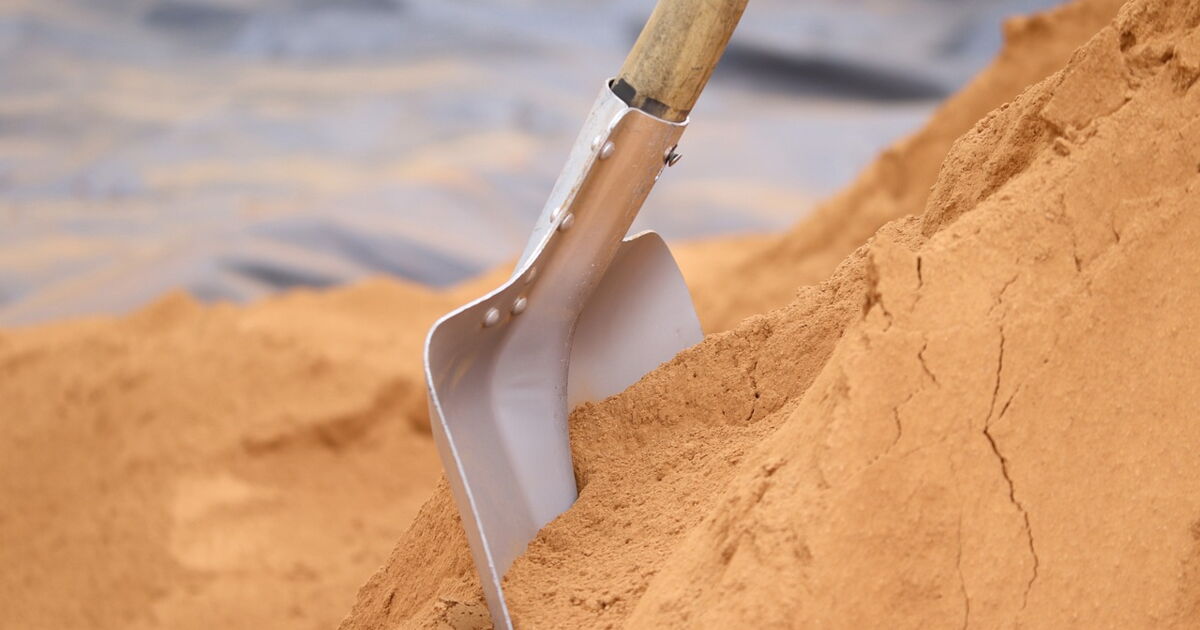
[[234, 148]]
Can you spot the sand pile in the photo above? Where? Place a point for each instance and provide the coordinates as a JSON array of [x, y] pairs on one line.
[[201, 467], [986, 416], [733, 279], [193, 466]]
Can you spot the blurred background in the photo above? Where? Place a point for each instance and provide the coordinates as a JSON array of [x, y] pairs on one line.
[[234, 148]]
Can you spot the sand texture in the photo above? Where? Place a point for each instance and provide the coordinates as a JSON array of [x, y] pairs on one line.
[[985, 417], [202, 467], [732, 282], [195, 466], [978, 418]]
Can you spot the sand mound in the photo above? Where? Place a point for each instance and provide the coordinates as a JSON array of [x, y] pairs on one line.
[[733, 279], [985, 417], [200, 467], [194, 466]]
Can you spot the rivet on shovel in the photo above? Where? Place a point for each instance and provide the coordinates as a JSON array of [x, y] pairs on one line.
[[607, 150], [519, 305], [567, 222], [492, 317]]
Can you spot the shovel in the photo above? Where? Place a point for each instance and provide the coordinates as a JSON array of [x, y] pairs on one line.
[[586, 313]]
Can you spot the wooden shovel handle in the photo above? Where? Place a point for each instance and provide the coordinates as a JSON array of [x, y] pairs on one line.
[[675, 54]]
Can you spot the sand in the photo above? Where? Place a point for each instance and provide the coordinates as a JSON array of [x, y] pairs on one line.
[[198, 467], [985, 416], [193, 466], [967, 420], [733, 281]]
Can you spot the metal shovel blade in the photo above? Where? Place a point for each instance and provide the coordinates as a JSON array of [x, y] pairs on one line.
[[585, 315]]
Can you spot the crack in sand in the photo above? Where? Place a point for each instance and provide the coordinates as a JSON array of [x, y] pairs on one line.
[[1000, 294], [996, 388], [924, 365], [899, 429], [917, 293], [1012, 496], [874, 297], [1016, 390], [753, 386], [1012, 492]]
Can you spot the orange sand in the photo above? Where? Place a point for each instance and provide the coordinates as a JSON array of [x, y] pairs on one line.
[[985, 416], [200, 467], [754, 276], [195, 466]]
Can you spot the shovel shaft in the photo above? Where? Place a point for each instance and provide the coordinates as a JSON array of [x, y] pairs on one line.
[[675, 55]]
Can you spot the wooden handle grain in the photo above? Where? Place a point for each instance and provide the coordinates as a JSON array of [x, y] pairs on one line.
[[675, 55]]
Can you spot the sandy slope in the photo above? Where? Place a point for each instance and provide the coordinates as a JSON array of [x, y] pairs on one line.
[[195, 466], [986, 415], [755, 277]]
